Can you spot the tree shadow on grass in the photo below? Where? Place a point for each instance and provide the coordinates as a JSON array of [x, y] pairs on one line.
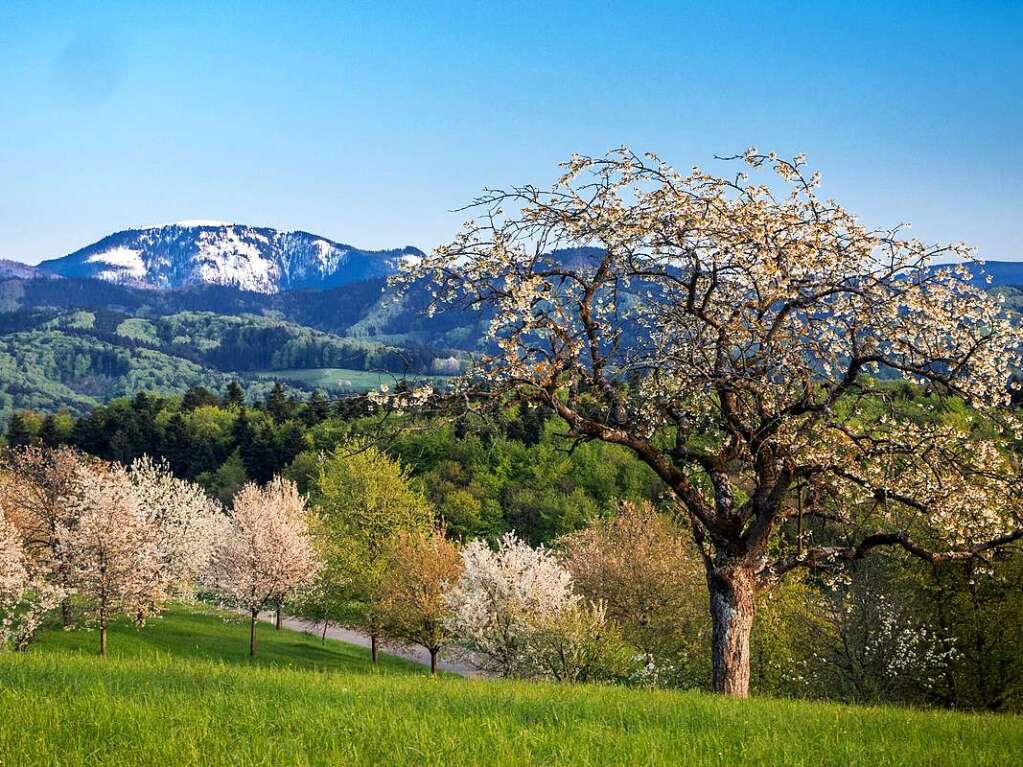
[[206, 633]]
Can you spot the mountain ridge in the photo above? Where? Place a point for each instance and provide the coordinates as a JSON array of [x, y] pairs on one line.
[[255, 258]]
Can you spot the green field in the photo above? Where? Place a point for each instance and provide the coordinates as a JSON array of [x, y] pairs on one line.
[[182, 692], [343, 379]]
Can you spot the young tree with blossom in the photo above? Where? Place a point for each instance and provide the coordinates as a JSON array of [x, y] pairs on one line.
[[501, 596], [423, 566], [186, 520], [516, 611], [13, 575], [266, 554], [735, 334], [25, 593], [39, 489], [112, 549]]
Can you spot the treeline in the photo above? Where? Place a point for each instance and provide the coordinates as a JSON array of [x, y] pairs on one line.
[[485, 479], [893, 629]]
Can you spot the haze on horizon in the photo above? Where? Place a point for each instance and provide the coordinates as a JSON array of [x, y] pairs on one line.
[[368, 124]]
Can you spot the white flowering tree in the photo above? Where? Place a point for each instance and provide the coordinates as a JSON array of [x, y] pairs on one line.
[[734, 333], [13, 576], [186, 520], [112, 550], [267, 553], [39, 489], [515, 610], [25, 593]]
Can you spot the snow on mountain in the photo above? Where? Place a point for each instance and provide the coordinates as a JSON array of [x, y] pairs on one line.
[[259, 259]]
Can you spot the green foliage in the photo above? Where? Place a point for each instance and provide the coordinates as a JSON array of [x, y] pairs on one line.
[[485, 484], [52, 370], [362, 498]]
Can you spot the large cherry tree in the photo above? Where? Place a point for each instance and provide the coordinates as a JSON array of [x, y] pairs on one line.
[[739, 334]]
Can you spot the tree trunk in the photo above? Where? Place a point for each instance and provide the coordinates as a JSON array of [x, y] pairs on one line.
[[65, 612], [277, 619], [373, 647], [732, 607], [433, 661], [323, 639], [254, 615], [103, 639]]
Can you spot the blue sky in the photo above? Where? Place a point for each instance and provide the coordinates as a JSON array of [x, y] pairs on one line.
[[368, 123]]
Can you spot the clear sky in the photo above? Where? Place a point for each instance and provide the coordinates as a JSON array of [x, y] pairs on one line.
[[367, 123]]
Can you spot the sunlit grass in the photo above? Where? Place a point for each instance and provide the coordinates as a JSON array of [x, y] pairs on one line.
[[182, 692]]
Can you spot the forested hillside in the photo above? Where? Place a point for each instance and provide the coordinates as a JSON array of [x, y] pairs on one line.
[[74, 344]]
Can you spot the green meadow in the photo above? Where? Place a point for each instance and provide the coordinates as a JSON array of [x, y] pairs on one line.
[[344, 379], [182, 691]]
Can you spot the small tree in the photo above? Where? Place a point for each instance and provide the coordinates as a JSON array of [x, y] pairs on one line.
[[13, 574], [646, 573], [580, 644], [25, 597], [112, 549], [39, 488], [186, 522], [363, 499], [422, 567], [267, 552], [515, 610]]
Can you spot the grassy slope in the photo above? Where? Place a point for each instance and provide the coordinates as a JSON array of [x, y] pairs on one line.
[[343, 379], [182, 692]]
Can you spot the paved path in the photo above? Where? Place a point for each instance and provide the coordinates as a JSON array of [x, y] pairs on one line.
[[414, 653]]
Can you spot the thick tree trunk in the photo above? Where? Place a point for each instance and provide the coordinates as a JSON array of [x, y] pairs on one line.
[[103, 639], [277, 619], [732, 607], [433, 661], [373, 647], [254, 616]]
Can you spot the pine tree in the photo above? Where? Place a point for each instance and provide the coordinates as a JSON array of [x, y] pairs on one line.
[[22, 429], [277, 404], [234, 396]]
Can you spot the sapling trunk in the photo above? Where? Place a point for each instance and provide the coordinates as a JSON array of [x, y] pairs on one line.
[[254, 616]]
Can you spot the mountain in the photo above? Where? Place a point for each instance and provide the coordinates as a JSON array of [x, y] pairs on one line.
[[18, 271], [258, 259], [1002, 273]]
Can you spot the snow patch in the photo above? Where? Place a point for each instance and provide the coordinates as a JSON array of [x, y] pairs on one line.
[[127, 260]]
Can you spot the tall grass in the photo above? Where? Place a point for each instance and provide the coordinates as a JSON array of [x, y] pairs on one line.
[[167, 697]]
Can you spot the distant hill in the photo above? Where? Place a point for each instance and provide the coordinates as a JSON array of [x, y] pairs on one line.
[[18, 270], [1002, 273], [258, 259]]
